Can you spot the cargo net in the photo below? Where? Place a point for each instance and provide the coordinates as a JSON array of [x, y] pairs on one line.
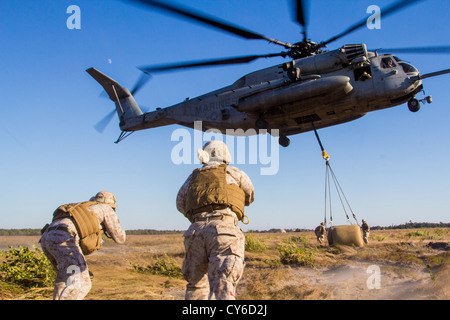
[[330, 178]]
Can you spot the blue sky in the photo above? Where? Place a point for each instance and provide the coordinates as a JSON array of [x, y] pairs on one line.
[[393, 164]]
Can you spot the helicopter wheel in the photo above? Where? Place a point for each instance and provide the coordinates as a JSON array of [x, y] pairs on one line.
[[284, 141], [413, 105]]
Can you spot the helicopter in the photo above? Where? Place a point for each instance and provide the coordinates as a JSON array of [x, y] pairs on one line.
[[315, 89]]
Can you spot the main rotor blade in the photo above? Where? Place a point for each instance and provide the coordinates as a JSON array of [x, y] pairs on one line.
[[300, 13], [211, 21], [423, 50], [399, 5], [143, 79], [301, 16], [204, 63], [102, 124]]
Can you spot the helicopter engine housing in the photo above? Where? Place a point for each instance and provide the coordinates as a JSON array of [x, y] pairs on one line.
[[332, 60]]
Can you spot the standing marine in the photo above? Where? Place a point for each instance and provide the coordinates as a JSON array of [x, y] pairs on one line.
[[213, 199], [366, 230], [76, 231]]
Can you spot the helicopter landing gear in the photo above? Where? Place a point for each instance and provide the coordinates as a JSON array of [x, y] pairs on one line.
[[414, 104], [284, 141]]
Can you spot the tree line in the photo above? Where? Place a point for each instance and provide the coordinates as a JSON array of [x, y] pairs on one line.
[[414, 225], [407, 225]]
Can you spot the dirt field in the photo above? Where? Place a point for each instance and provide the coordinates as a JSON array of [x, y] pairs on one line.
[[395, 265]]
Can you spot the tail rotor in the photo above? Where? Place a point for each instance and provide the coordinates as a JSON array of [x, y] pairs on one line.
[[126, 106], [102, 124]]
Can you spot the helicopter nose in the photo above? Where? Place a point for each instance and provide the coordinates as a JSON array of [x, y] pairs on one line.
[[413, 80], [412, 84], [403, 83]]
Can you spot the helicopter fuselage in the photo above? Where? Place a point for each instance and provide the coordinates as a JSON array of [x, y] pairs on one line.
[[317, 91]]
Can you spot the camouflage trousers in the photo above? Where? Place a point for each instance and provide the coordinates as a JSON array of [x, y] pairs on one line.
[[72, 280], [366, 236], [214, 259], [321, 238]]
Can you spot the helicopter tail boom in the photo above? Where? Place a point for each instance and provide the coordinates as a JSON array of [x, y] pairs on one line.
[[126, 106]]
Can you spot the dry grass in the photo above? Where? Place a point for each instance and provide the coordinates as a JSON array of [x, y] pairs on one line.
[[414, 264]]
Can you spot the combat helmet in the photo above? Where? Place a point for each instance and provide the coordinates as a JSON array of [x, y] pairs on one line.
[[214, 150], [105, 197]]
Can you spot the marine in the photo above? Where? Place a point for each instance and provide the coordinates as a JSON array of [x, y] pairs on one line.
[[213, 199], [366, 230], [76, 231], [320, 232]]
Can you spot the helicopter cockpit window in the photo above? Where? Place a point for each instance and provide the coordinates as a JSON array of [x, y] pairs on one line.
[[408, 68], [387, 63]]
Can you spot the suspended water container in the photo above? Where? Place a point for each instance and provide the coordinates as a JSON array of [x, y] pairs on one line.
[[348, 235]]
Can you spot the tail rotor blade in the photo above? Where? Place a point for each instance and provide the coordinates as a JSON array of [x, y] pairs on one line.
[[102, 124], [103, 94], [143, 79]]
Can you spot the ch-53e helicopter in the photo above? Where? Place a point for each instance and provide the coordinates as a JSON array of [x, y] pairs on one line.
[[315, 89]]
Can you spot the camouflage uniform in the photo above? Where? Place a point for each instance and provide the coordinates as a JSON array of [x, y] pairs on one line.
[[366, 230], [320, 232], [214, 244], [60, 243]]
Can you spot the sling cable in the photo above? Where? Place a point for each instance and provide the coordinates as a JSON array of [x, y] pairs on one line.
[[330, 176]]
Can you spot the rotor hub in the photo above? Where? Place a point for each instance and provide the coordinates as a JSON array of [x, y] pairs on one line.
[[305, 48]]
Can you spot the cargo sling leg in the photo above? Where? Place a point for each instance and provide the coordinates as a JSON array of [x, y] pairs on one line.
[[329, 173]]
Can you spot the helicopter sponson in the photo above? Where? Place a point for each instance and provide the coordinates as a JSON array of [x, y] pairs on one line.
[[327, 89]]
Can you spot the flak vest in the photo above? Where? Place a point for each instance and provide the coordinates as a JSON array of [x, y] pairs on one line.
[[85, 221], [209, 190]]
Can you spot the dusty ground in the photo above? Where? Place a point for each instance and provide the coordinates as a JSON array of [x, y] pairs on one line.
[[395, 265]]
